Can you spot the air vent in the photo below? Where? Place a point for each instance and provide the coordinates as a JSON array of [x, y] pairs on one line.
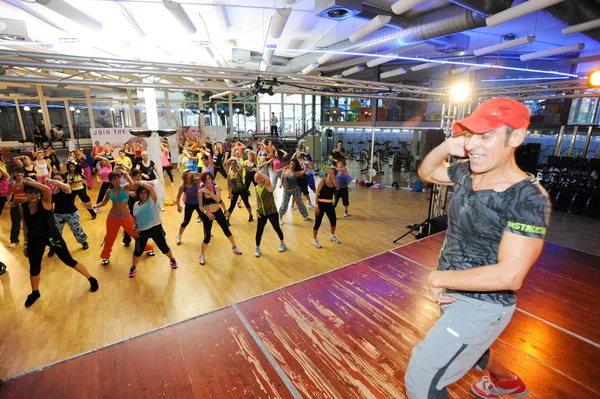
[[337, 9], [13, 30]]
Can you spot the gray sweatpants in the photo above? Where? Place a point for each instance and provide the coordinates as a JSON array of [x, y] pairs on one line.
[[72, 219], [287, 195], [458, 341]]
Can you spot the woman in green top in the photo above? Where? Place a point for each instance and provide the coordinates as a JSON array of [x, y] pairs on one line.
[[237, 188], [266, 210]]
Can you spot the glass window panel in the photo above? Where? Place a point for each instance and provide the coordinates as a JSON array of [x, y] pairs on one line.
[[31, 117], [19, 91], [267, 99], [59, 116], [102, 115], [10, 130], [139, 94], [222, 113], [139, 109], [109, 93], [61, 92], [120, 112], [81, 119], [292, 98]]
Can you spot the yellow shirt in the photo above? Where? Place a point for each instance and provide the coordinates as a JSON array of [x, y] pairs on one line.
[[124, 161]]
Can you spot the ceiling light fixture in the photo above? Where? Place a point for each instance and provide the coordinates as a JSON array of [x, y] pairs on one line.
[[180, 15], [310, 68], [72, 13], [589, 25], [459, 92], [555, 51], [353, 70], [373, 25], [427, 65], [503, 46], [381, 60], [400, 7], [524, 8], [279, 20], [72, 108], [393, 72]]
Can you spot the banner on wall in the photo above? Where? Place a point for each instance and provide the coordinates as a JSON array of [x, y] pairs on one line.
[[117, 137]]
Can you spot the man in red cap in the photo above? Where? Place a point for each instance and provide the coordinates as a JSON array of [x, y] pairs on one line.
[[497, 221]]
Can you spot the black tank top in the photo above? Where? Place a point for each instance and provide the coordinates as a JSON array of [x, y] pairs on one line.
[[30, 173], [63, 203], [148, 170], [209, 200], [40, 224], [327, 192]]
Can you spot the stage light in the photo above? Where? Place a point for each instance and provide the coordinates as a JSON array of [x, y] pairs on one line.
[[77, 111], [39, 111], [26, 108], [594, 79], [459, 92], [71, 108]]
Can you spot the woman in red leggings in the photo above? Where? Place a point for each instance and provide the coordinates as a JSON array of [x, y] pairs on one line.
[[118, 216]]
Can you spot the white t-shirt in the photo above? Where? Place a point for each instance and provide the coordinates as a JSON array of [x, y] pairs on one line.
[[274, 121]]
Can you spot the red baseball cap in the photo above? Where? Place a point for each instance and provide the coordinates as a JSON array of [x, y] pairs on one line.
[[492, 114]]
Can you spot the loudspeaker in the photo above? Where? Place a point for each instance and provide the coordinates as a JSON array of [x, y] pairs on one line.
[[429, 140]]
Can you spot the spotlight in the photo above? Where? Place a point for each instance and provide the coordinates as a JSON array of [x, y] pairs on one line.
[[593, 80], [459, 92], [72, 109], [26, 108], [39, 111], [77, 111]]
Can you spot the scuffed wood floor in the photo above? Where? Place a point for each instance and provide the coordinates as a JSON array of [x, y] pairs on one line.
[[344, 334]]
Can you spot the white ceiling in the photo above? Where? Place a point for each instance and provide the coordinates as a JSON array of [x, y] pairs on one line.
[[235, 23]]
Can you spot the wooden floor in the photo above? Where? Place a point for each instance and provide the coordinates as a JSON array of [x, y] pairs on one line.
[[69, 320], [344, 334]]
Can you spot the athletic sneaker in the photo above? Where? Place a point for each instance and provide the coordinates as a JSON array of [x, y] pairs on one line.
[[2, 268], [151, 253], [51, 252], [31, 298], [12, 245], [310, 204], [174, 264], [306, 218], [236, 250], [132, 271], [178, 240], [490, 387], [127, 244], [105, 262], [198, 220], [172, 184], [282, 247], [334, 239], [162, 208], [85, 246], [202, 260], [293, 208], [251, 219], [93, 284], [316, 244], [257, 252], [280, 221], [346, 214], [239, 205]]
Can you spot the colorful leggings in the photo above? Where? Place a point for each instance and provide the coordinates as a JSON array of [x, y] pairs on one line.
[[72, 219], [87, 172], [113, 225]]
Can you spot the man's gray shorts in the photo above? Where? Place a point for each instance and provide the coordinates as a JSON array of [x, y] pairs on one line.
[[458, 341]]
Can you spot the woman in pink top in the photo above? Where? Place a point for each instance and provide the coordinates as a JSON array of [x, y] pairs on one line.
[[278, 164], [164, 156], [96, 150], [103, 172]]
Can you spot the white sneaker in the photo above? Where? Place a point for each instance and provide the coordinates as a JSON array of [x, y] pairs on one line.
[[316, 244], [305, 218], [198, 220], [346, 214], [162, 208], [202, 260], [310, 204], [280, 221], [178, 240], [334, 239], [172, 184]]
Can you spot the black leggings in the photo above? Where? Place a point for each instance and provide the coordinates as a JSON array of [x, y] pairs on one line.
[[168, 170], [262, 222], [234, 198], [103, 189], [2, 203], [220, 218], [250, 179], [36, 248], [221, 170], [15, 219], [188, 212], [158, 236], [325, 208], [343, 194], [303, 184], [82, 194], [126, 237]]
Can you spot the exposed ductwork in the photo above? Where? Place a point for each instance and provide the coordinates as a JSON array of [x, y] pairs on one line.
[[438, 23]]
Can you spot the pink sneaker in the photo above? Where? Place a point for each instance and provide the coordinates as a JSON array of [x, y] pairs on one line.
[[490, 387], [174, 264]]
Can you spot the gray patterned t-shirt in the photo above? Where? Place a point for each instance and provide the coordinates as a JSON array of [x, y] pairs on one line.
[[477, 220]]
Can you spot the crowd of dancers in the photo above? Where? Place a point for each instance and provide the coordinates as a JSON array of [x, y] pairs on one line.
[[41, 192]]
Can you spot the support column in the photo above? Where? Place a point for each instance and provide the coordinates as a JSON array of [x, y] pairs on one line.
[[575, 130], [44, 108], [88, 99], [131, 109], [588, 137], [559, 140], [70, 121], [151, 109], [20, 117]]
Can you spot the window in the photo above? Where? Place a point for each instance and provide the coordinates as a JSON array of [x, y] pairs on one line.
[[10, 130], [81, 119], [582, 111], [31, 117], [59, 116]]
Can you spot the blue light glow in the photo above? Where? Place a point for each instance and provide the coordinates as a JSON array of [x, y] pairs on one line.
[[419, 59], [518, 79]]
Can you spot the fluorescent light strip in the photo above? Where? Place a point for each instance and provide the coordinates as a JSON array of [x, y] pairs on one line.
[[393, 72], [581, 27], [443, 62], [522, 9], [519, 79], [353, 70], [381, 60], [555, 51], [424, 66], [402, 6], [503, 46], [375, 24]]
